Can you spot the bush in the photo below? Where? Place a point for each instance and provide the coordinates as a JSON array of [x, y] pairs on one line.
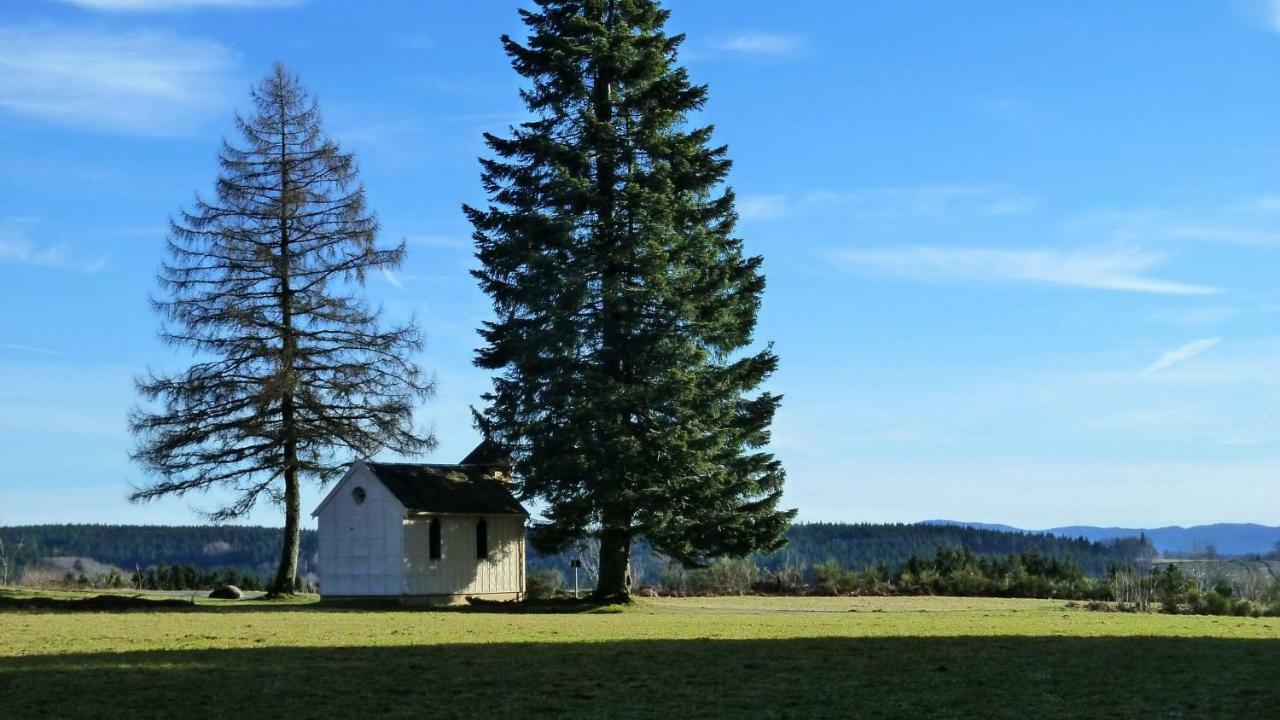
[[1211, 603], [726, 576], [831, 579], [544, 584], [787, 579], [672, 580]]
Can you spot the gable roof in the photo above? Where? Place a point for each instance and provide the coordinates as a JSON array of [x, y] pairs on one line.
[[447, 488], [488, 452]]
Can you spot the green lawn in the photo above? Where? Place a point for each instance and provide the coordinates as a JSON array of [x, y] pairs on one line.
[[662, 659]]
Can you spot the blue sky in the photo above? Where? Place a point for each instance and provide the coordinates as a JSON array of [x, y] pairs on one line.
[[1021, 256]]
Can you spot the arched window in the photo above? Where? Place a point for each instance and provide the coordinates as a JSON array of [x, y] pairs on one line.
[[433, 538], [482, 539]]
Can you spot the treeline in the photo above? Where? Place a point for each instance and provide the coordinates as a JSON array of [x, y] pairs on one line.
[[949, 571], [890, 547], [1203, 589], [160, 577], [866, 544], [248, 550], [255, 550]]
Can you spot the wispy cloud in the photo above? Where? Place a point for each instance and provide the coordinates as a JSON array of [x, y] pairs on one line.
[[164, 5], [1120, 270], [30, 349], [1241, 442], [1268, 13], [17, 251], [931, 199], [760, 43], [1246, 222], [439, 242], [141, 82], [763, 207], [393, 278], [1180, 354]]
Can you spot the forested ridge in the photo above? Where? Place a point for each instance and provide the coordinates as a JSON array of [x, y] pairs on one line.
[[256, 549], [209, 547], [865, 544]]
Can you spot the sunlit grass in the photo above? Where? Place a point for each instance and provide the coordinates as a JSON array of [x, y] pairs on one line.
[[780, 657]]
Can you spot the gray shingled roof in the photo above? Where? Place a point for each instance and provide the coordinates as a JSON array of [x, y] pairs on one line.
[[447, 488], [488, 452]]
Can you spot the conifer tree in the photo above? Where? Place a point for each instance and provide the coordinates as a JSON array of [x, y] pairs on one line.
[[295, 374], [624, 303]]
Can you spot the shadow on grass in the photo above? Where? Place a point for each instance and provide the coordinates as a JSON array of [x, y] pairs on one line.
[[991, 677], [124, 602]]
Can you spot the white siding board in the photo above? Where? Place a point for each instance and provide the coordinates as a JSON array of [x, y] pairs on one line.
[[373, 548], [360, 545], [458, 571]]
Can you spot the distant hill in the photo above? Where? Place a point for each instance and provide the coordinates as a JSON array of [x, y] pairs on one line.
[[863, 545], [209, 547], [256, 549], [1225, 538]]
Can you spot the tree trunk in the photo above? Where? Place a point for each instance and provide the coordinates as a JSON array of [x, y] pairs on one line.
[[289, 552], [288, 567], [614, 580]]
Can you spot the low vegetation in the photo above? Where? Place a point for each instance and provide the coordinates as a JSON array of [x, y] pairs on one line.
[[208, 554], [128, 549], [685, 657], [46, 557]]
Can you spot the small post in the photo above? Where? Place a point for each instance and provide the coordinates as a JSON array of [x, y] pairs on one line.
[[575, 564]]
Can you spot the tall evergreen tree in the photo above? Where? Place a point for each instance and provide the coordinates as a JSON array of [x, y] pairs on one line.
[[296, 372], [624, 302]]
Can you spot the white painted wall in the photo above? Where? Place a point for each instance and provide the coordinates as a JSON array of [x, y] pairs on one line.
[[373, 549], [361, 545], [459, 571]]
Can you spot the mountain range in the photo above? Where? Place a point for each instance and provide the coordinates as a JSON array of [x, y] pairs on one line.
[[1224, 538]]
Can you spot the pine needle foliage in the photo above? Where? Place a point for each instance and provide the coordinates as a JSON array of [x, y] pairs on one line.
[[296, 375], [625, 305]]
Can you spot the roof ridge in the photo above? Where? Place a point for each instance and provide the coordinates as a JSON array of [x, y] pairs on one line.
[[432, 487], [413, 464]]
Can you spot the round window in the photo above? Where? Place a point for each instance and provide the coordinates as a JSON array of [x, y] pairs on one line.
[[358, 495]]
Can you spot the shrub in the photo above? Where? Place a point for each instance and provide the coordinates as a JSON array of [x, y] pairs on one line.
[[1211, 603], [672, 580], [831, 579], [874, 581], [544, 584], [727, 576], [788, 579]]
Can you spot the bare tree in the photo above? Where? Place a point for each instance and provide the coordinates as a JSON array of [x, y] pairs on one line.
[[9, 559], [296, 375], [1250, 581], [1134, 587], [587, 551], [1200, 573]]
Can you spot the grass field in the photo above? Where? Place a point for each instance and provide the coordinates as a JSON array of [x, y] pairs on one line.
[[661, 659]]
